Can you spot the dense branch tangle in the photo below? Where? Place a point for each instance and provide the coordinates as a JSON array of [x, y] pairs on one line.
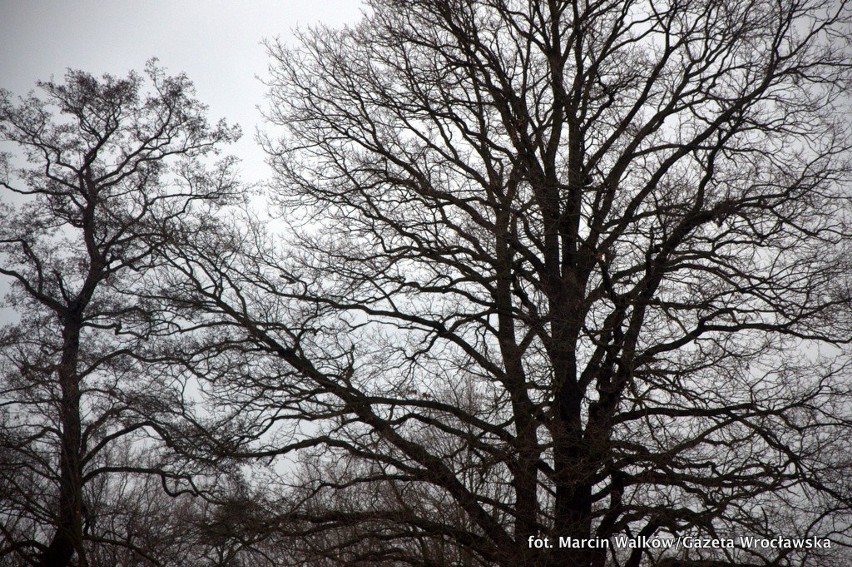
[[569, 269]]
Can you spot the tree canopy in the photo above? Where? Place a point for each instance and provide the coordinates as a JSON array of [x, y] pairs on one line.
[[109, 165], [539, 278]]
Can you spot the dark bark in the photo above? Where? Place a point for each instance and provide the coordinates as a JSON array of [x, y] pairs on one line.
[[68, 537]]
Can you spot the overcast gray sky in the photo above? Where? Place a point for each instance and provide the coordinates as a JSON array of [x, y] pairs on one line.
[[216, 43]]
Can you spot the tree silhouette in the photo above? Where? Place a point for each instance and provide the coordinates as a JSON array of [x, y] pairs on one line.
[[112, 163], [564, 269], [572, 270]]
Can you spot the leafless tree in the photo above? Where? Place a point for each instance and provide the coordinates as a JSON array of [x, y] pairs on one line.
[[136, 524], [563, 269], [111, 162]]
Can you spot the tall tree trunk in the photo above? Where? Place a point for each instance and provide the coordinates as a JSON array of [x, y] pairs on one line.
[[68, 538]]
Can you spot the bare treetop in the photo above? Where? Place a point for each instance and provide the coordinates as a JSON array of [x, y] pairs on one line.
[[113, 163], [552, 280]]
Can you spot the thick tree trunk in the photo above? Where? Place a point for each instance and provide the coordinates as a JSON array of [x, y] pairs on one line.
[[573, 509], [573, 461]]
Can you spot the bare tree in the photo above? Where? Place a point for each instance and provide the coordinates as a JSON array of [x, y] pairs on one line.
[[112, 163], [137, 524], [557, 269]]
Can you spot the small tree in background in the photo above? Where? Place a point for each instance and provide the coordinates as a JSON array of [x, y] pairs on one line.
[[112, 163]]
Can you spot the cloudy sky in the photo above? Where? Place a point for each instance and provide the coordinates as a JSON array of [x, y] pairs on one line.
[[217, 43]]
